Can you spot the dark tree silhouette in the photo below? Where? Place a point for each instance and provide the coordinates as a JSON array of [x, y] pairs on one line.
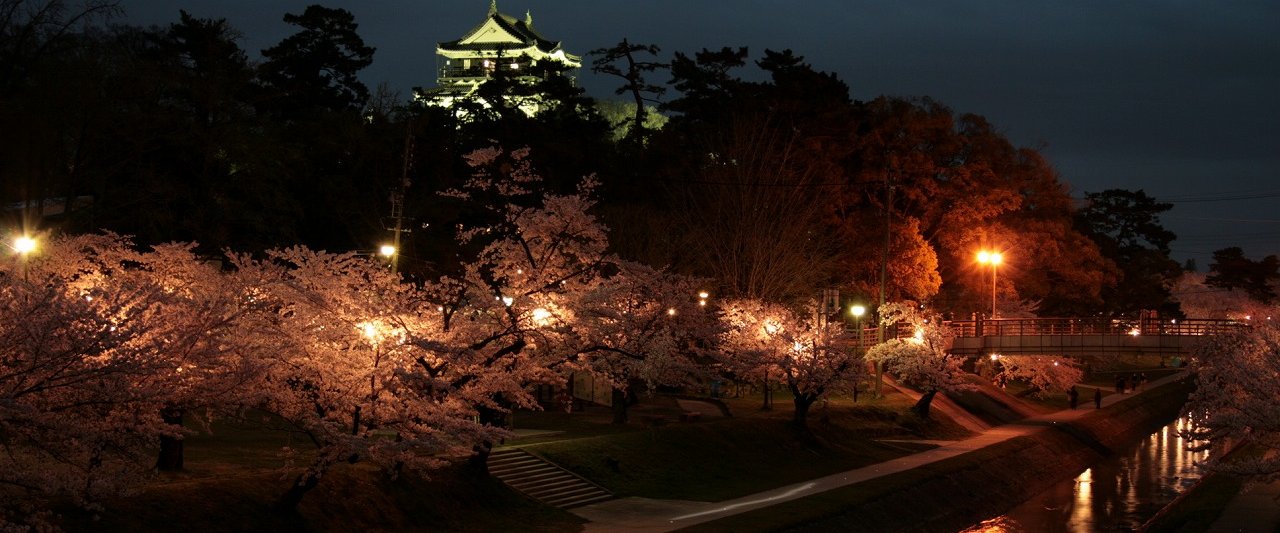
[[632, 74], [316, 68]]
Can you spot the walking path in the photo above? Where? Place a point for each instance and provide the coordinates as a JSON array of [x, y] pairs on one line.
[[652, 515]]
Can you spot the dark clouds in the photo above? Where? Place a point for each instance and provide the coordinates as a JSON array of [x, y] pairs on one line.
[[1175, 97]]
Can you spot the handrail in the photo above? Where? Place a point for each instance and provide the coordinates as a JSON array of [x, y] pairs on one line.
[[1014, 327], [1091, 326]]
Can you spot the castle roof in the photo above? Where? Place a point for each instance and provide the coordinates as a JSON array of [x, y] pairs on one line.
[[500, 31]]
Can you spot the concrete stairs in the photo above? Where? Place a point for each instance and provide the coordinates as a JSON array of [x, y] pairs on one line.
[[543, 481]]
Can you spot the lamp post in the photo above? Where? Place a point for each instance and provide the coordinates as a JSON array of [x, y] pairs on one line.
[[994, 259], [857, 311], [24, 245], [390, 251]]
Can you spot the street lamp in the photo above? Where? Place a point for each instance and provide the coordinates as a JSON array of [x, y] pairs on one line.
[[24, 245], [392, 253], [994, 259], [857, 311]]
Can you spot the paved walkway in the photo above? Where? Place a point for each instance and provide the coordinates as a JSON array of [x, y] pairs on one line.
[[704, 409], [651, 515]]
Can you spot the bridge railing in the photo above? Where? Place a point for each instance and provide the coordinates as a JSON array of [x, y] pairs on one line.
[[1014, 327], [1090, 326]]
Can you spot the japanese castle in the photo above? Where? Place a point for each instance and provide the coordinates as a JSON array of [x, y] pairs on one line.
[[501, 42]]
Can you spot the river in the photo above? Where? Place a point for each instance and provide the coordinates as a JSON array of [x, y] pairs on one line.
[[1117, 494]]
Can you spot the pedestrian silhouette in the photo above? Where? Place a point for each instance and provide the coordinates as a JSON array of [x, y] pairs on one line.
[[1073, 396], [1097, 398]]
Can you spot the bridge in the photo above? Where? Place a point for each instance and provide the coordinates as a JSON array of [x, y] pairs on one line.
[[1074, 336]]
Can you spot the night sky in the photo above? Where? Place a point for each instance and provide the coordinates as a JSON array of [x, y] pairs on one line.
[[1179, 98]]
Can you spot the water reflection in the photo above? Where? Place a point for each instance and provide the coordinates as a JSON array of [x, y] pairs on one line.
[[1117, 494]]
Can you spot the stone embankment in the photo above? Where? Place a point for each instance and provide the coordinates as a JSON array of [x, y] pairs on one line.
[[956, 493]]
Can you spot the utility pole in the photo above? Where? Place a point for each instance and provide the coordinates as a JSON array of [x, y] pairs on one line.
[[397, 199], [884, 274]]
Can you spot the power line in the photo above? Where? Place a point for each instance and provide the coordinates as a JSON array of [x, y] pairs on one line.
[[1215, 219], [1228, 196], [1222, 197]]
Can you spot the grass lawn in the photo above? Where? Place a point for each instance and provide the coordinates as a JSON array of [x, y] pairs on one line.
[[234, 476], [723, 458]]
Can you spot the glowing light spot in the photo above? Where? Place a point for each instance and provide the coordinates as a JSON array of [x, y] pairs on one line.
[[24, 245], [541, 316]]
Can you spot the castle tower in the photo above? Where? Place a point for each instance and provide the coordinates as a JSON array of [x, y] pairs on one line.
[[499, 42]]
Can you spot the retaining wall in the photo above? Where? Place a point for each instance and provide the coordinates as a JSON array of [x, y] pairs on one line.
[[953, 494]]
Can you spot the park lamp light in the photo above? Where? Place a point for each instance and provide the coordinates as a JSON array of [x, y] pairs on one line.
[[994, 259], [24, 245], [857, 310], [387, 250], [541, 316], [918, 337]]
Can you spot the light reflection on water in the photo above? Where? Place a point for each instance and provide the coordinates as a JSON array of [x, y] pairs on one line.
[[1117, 494]]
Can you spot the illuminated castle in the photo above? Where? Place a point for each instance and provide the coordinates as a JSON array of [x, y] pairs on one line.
[[501, 42]]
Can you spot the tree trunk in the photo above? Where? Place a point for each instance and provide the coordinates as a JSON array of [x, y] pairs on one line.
[[488, 417], [170, 458], [302, 485], [619, 399], [479, 460], [921, 407], [801, 418], [879, 391]]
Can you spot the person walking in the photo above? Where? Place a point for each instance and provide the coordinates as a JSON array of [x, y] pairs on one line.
[[1073, 396], [1097, 398]]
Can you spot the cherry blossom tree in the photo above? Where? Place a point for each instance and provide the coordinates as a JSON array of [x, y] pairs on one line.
[[554, 300], [87, 362], [106, 347], [646, 325], [922, 360], [508, 319], [1201, 300], [207, 332], [1044, 373], [762, 339], [1234, 401], [345, 373]]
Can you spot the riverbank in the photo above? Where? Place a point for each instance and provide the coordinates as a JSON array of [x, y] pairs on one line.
[[950, 487], [1222, 502]]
